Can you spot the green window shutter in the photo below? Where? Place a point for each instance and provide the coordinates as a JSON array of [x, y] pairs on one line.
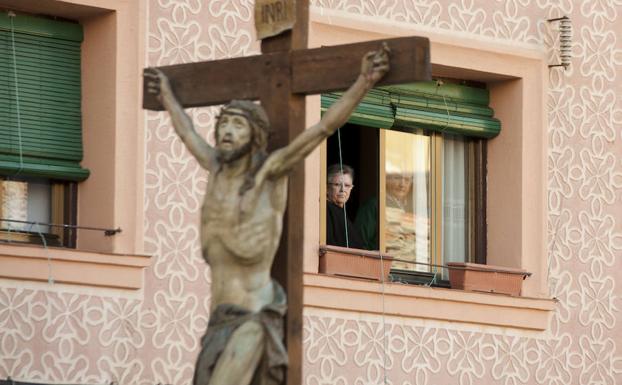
[[44, 137], [448, 108], [374, 111], [424, 105]]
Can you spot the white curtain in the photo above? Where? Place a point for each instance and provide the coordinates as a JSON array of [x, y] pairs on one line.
[[454, 200], [420, 159]]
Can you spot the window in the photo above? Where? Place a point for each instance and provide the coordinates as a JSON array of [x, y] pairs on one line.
[[516, 78], [26, 201], [41, 129], [419, 152], [112, 53]]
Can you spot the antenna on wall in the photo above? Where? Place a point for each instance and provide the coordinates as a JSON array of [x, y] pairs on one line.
[[565, 41]]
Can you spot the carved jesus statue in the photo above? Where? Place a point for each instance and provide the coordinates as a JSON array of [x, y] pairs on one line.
[[241, 224]]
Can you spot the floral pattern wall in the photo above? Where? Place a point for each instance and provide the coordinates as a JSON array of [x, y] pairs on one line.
[[78, 335]]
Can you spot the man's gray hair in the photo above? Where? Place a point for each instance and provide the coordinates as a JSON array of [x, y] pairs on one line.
[[335, 169]]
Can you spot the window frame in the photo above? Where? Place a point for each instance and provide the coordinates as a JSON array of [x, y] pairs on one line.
[[478, 219], [113, 57], [63, 203], [476, 250], [49, 160], [516, 199]]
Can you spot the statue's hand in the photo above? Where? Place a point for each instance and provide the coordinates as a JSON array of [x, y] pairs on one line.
[[157, 83], [375, 65]]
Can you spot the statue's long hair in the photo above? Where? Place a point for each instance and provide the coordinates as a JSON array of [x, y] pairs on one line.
[[260, 126]]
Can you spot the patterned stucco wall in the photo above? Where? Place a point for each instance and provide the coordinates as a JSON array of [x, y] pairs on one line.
[[585, 237], [74, 335]]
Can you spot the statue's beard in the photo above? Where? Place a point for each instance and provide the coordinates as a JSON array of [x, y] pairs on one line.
[[228, 156]]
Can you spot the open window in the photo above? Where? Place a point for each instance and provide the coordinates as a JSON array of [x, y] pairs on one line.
[[419, 156]]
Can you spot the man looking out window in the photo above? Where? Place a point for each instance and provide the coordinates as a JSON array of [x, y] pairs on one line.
[[340, 231]]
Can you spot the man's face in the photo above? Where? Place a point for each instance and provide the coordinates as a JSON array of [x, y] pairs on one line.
[[234, 135], [399, 185], [339, 188]]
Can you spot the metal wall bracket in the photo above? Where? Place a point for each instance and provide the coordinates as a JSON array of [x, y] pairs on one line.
[[565, 41]]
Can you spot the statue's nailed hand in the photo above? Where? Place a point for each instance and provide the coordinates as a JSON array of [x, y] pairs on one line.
[[375, 65], [157, 83]]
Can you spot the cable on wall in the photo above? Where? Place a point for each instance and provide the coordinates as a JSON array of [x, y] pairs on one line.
[[345, 217], [12, 16]]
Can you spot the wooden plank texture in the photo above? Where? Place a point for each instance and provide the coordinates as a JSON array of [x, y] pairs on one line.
[[214, 82], [335, 68], [313, 71], [287, 115]]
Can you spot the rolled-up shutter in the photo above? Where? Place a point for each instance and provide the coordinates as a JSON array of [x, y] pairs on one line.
[[448, 108], [373, 111], [40, 99]]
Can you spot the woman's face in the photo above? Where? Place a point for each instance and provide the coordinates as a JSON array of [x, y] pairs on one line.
[[339, 188]]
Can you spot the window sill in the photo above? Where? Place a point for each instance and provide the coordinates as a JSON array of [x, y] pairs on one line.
[[358, 295], [35, 263]]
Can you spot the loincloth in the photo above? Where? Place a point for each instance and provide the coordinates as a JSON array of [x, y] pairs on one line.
[[225, 319]]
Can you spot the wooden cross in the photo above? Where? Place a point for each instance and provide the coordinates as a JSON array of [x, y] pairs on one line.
[[280, 78]]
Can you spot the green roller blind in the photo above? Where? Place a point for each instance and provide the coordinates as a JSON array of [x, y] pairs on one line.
[[372, 111], [425, 105], [40, 114]]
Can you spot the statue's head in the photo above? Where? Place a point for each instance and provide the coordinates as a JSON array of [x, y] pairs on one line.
[[241, 127]]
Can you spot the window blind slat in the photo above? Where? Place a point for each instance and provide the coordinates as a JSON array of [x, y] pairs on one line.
[[46, 66], [43, 96], [45, 135], [33, 105], [53, 119], [67, 47]]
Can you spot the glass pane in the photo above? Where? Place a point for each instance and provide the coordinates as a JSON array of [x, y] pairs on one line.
[[13, 204], [455, 199], [39, 193], [407, 213], [25, 200]]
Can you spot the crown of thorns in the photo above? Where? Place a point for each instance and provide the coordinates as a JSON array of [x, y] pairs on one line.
[[231, 111]]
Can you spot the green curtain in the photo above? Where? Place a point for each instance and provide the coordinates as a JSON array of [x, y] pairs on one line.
[[447, 108], [40, 99]]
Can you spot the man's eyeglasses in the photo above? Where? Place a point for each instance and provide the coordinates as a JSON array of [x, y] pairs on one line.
[[339, 185]]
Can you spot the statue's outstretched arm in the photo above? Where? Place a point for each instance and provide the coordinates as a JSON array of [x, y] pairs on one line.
[[374, 66], [159, 85]]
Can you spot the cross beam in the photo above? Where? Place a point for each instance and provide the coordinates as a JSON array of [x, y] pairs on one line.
[[312, 71]]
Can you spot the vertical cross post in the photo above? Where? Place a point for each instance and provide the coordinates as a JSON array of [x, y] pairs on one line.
[[286, 111]]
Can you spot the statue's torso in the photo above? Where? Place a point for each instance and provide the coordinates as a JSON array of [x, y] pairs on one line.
[[239, 238]]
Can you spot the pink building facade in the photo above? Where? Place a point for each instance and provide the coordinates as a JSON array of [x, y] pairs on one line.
[[131, 308]]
